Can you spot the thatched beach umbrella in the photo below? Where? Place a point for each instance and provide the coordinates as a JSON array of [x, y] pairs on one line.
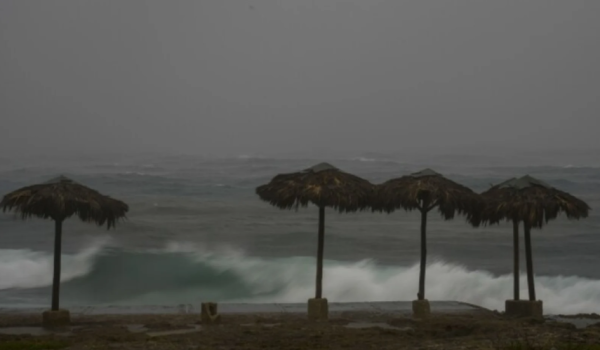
[[424, 191], [324, 186], [58, 200], [532, 202]]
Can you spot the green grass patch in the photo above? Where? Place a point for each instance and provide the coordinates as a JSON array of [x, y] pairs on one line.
[[33, 345], [524, 345]]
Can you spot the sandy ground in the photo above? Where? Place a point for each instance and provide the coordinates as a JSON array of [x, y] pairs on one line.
[[292, 331]]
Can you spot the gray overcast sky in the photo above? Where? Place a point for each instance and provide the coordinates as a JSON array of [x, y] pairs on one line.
[[264, 76]]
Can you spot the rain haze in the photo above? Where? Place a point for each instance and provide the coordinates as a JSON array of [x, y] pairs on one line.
[[269, 77], [183, 110]]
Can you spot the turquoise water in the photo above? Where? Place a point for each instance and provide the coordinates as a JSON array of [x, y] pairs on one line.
[[197, 231]]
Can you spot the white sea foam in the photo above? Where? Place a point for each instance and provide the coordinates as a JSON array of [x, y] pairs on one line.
[[288, 280], [24, 268], [294, 279], [364, 159]]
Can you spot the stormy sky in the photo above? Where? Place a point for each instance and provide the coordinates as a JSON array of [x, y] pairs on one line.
[[270, 76]]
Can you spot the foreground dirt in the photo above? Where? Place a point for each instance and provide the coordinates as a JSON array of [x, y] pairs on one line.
[[484, 331]]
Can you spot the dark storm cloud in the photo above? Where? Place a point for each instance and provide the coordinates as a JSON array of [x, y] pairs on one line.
[[267, 76]]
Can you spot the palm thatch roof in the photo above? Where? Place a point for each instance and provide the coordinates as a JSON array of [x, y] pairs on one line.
[[61, 198], [323, 185], [428, 188], [530, 200]]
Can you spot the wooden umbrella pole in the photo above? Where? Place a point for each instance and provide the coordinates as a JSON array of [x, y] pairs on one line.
[[321, 246], [424, 209], [516, 270], [529, 258], [57, 257]]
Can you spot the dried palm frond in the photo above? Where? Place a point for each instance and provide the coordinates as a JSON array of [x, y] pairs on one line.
[[531, 201], [62, 198], [323, 185], [426, 190]]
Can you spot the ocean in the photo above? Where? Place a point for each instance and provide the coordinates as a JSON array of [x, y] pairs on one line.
[[196, 231]]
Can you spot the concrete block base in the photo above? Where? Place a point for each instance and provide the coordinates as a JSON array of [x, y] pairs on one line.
[[318, 309], [421, 308], [524, 308], [209, 314], [56, 319]]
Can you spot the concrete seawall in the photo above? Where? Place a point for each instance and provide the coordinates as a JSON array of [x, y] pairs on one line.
[[383, 307]]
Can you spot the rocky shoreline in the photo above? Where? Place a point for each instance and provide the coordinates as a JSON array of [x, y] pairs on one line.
[[344, 330]]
